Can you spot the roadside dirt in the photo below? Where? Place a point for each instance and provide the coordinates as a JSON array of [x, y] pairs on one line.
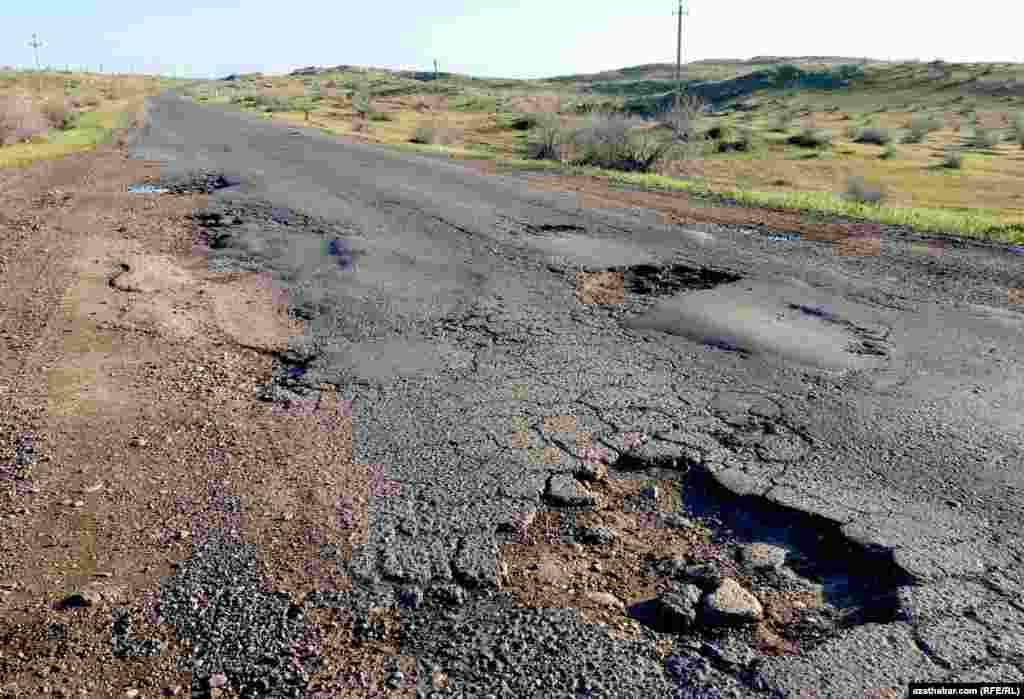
[[128, 375]]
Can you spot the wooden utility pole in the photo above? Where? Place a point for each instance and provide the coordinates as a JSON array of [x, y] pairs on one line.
[[435, 69], [679, 51]]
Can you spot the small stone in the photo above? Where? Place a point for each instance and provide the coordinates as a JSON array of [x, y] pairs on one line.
[[288, 516], [139, 442], [566, 490], [705, 575], [172, 691], [677, 608], [85, 598], [606, 599], [731, 605], [761, 556], [181, 534], [592, 471], [78, 503], [673, 520], [93, 488], [218, 679], [132, 693]]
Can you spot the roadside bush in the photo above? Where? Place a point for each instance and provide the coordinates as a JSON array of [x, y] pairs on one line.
[[381, 116], [875, 135], [783, 120], [60, 115], [852, 133], [920, 127], [719, 132], [525, 122], [984, 138], [614, 142], [810, 138], [20, 119], [361, 101], [861, 192], [544, 143], [743, 142], [953, 159], [424, 134], [888, 153], [1017, 126], [681, 117]]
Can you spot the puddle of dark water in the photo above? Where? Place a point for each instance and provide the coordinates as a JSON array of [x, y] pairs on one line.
[[784, 236], [146, 189]]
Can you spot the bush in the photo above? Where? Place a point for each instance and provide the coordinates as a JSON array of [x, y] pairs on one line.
[[920, 127], [681, 117], [1017, 126], [20, 119], [984, 138], [381, 116], [953, 159], [859, 191], [888, 153], [525, 122], [544, 143], [361, 101], [875, 135], [613, 142], [810, 138], [423, 134], [852, 133], [783, 120], [744, 142], [60, 115], [719, 132]]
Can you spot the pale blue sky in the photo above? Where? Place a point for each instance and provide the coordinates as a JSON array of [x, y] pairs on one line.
[[492, 38]]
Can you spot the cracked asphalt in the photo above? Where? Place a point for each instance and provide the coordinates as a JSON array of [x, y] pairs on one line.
[[875, 396]]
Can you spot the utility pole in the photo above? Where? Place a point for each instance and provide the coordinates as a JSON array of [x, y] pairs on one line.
[[435, 69], [35, 44], [679, 51]]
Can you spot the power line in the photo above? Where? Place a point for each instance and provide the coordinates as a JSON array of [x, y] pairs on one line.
[[35, 44]]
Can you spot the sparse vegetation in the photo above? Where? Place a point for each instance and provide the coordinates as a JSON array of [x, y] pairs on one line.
[[545, 141], [919, 128], [875, 135], [681, 117], [20, 119], [859, 191], [811, 138], [953, 159], [984, 138], [617, 143], [1017, 127]]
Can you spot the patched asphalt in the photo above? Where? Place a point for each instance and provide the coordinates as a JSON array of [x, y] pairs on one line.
[[874, 396]]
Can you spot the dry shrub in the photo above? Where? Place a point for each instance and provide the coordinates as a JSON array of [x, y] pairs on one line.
[[59, 114], [681, 117], [20, 119]]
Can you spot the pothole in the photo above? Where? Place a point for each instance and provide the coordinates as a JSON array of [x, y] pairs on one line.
[[655, 280], [658, 543], [194, 183]]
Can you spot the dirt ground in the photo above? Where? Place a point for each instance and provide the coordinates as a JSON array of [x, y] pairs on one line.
[[128, 372]]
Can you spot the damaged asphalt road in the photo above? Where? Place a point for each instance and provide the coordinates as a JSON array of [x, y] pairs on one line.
[[859, 413]]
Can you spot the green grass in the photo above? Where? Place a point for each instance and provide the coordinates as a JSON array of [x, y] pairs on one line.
[[974, 223]]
